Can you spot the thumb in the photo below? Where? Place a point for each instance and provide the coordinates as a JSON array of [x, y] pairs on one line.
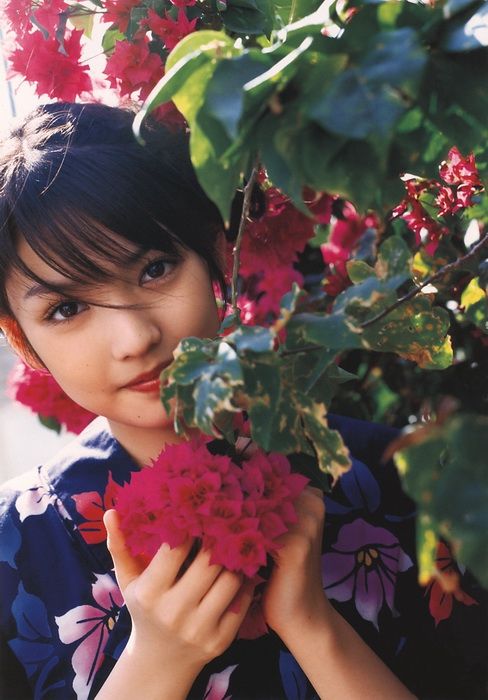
[[127, 567]]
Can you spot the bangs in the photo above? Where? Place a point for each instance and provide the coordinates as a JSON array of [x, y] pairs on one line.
[[82, 250], [86, 196]]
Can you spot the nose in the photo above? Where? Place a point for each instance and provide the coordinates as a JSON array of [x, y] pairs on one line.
[[132, 332]]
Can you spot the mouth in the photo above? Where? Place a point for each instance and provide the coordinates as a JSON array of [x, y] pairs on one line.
[[148, 381]]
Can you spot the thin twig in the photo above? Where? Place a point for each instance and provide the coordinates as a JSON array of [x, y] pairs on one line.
[[416, 290], [303, 348], [242, 225]]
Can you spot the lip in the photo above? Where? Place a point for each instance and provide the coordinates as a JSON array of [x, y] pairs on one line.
[[148, 381]]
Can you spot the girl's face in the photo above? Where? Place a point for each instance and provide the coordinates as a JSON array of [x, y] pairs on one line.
[[108, 359]]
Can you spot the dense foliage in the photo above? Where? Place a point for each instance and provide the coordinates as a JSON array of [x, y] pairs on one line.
[[363, 282]]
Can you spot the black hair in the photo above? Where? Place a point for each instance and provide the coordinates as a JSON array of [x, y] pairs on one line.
[[73, 174]]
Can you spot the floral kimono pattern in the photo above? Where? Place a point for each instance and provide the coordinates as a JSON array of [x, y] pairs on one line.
[[63, 623]]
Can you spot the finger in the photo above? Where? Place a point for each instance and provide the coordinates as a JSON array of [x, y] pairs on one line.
[[221, 594], [127, 567], [235, 613], [162, 571], [198, 578]]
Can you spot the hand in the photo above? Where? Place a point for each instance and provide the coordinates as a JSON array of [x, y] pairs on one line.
[[294, 594], [184, 619]]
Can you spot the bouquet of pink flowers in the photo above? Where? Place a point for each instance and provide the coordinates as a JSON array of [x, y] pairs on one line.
[[236, 510]]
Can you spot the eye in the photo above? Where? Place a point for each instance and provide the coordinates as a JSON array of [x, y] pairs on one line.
[[65, 311], [157, 269]]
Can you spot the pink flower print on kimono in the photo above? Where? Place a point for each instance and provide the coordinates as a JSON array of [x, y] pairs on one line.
[[91, 625], [218, 685], [363, 564]]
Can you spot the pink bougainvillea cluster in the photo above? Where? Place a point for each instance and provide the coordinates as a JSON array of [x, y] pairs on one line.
[[427, 200], [345, 235], [270, 250], [47, 45], [237, 511], [40, 392]]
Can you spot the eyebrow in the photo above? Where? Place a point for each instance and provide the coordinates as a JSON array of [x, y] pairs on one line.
[[69, 287], [41, 289]]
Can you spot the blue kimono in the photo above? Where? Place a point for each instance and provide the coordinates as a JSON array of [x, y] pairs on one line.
[[63, 623]]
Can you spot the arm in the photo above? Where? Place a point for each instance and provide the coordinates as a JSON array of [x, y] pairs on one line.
[[332, 655], [179, 623]]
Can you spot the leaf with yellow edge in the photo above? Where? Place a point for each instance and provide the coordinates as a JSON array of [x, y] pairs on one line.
[[332, 454], [475, 303], [426, 549]]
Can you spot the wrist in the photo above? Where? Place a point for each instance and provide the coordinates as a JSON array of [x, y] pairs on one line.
[[317, 619]]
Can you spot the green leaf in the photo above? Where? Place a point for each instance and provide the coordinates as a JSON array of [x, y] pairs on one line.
[[368, 99], [137, 14], [111, 36], [254, 339], [351, 169], [245, 17], [475, 303], [446, 474], [263, 394], [359, 271], [50, 422], [416, 332], [190, 68], [225, 97], [328, 331], [211, 398], [81, 19], [332, 454], [289, 11], [394, 259]]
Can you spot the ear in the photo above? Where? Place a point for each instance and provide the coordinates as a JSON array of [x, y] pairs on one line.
[[18, 342]]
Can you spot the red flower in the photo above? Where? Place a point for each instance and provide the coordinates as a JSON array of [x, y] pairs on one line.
[[169, 116], [457, 170], [132, 67], [55, 70], [48, 14], [427, 230], [183, 3], [345, 235], [444, 589], [91, 505], [118, 12], [446, 201], [169, 30], [18, 14], [43, 395], [236, 512], [273, 241], [271, 287]]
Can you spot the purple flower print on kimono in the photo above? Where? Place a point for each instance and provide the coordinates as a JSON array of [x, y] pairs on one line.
[[363, 564], [91, 625]]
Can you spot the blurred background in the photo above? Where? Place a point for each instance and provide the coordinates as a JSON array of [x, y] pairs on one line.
[[24, 442]]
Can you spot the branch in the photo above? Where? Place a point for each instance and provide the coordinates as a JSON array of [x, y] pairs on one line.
[[242, 225], [440, 273]]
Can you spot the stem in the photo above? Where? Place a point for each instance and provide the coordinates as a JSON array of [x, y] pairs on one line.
[[298, 351], [440, 273], [237, 247]]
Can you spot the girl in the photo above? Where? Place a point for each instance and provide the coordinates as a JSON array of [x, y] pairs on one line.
[[108, 256]]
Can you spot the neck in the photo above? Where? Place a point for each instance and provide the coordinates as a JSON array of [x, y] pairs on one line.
[[144, 444]]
